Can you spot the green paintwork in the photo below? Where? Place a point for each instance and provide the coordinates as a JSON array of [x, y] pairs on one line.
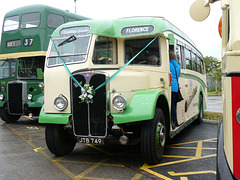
[[112, 28], [171, 39], [191, 76], [40, 35], [204, 99], [141, 107], [51, 118]]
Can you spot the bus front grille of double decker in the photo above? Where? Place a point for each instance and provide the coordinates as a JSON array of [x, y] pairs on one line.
[[89, 119], [16, 97]]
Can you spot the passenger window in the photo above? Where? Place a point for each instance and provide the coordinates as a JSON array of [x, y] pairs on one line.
[[199, 65], [30, 20], [188, 59], [150, 56], [179, 55], [54, 20], [11, 23], [194, 62], [105, 51]]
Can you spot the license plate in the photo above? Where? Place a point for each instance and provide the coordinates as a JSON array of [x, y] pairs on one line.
[[91, 140]]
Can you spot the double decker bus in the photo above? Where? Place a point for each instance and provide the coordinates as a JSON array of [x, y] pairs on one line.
[[24, 42], [101, 89], [228, 146]]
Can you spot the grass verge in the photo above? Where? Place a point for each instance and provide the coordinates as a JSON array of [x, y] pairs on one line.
[[212, 116]]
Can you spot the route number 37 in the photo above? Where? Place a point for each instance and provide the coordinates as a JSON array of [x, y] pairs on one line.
[[28, 42]]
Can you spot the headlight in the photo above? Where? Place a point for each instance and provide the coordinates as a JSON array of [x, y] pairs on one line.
[[1, 97], [119, 102], [30, 96], [3, 88], [41, 85], [60, 103]]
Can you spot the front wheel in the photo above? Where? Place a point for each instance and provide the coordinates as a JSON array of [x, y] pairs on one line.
[[5, 116], [59, 141], [153, 138]]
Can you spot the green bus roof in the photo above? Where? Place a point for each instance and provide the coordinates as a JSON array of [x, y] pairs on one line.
[[12, 41], [41, 8], [113, 28]]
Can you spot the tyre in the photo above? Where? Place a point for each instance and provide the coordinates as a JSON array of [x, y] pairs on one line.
[[153, 138], [5, 116], [59, 141], [200, 115]]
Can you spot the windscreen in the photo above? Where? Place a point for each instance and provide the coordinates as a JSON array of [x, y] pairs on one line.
[[7, 68], [27, 66], [71, 49]]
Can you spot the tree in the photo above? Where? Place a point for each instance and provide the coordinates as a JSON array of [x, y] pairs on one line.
[[213, 70]]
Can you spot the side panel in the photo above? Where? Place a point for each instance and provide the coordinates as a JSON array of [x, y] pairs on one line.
[[141, 107], [236, 125]]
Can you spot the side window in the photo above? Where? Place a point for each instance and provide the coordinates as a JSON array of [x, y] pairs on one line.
[[188, 59], [11, 23], [30, 20], [105, 51], [194, 62], [54, 20], [199, 65], [150, 56], [179, 55]]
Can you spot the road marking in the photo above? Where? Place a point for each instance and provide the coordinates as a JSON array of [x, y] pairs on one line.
[[137, 177], [87, 171], [145, 167], [198, 155], [199, 150], [172, 173], [183, 178], [36, 149], [29, 117]]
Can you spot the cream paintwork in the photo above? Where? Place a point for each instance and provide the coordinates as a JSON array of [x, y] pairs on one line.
[[22, 54], [149, 77], [234, 39], [227, 120]]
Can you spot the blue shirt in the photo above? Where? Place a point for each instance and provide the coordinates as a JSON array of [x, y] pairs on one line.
[[175, 74]]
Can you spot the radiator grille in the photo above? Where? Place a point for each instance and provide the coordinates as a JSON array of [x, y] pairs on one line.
[[90, 119], [16, 97]]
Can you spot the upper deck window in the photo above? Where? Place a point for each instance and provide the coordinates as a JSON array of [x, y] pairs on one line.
[[54, 20], [30, 20], [150, 56], [72, 50], [105, 51], [11, 23]]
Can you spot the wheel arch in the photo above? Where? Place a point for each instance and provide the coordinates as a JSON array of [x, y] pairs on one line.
[[162, 103]]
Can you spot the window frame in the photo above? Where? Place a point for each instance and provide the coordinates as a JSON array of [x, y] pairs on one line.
[[49, 14], [37, 12], [13, 29], [144, 64]]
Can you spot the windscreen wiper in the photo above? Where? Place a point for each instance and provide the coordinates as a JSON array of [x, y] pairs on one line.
[[68, 40]]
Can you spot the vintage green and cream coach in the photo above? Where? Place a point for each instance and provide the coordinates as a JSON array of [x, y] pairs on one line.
[[108, 82]]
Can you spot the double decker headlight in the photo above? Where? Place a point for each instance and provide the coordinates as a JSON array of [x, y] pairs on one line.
[[1, 97], [61, 103], [119, 102]]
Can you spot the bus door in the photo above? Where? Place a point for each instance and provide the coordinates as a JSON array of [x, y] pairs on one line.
[[181, 81]]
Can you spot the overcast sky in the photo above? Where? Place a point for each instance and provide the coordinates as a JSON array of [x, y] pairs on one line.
[[204, 34]]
